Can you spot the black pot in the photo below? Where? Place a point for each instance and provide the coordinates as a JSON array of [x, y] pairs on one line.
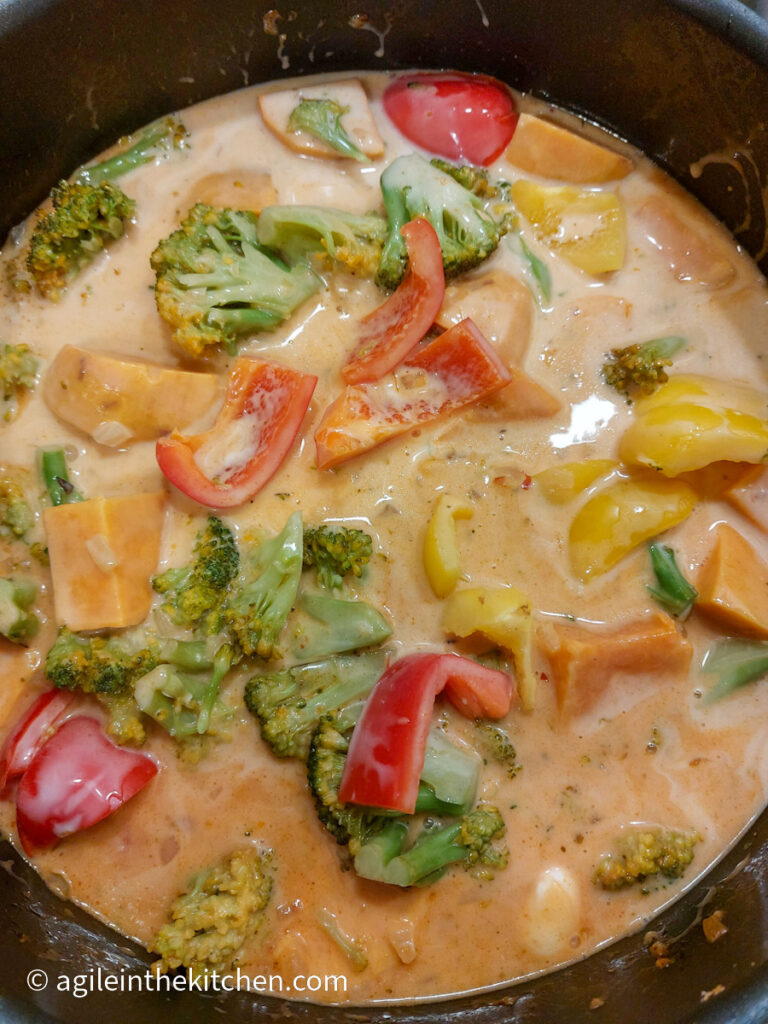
[[679, 79]]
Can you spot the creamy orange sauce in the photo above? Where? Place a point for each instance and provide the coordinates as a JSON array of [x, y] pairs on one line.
[[582, 779]]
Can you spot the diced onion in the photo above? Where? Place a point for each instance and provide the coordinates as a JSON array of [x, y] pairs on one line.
[[111, 433], [102, 554]]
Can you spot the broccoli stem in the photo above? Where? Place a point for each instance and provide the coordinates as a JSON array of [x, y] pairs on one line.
[[452, 774], [221, 665], [159, 135], [381, 858], [354, 951], [55, 474], [673, 591], [336, 626]]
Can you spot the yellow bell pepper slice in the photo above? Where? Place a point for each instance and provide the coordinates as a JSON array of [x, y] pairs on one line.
[[441, 553], [588, 228], [615, 521], [503, 616], [561, 484], [692, 421]]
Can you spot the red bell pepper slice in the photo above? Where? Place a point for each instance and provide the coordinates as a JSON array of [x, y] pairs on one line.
[[386, 752], [30, 732], [225, 466], [77, 778], [453, 370], [459, 116], [389, 333]]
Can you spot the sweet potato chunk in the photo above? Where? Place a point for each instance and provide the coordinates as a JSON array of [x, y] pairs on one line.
[[499, 304], [239, 189], [690, 254], [118, 401], [358, 122], [586, 660], [522, 399], [733, 585], [750, 496], [541, 147], [103, 553]]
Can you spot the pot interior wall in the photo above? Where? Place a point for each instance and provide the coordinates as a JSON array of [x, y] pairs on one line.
[[681, 80]]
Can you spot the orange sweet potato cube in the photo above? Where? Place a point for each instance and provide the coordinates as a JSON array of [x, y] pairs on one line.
[[733, 585], [586, 660], [103, 553], [750, 496]]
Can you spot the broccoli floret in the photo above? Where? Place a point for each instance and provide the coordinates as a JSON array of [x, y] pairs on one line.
[[640, 369], [211, 922], [472, 839], [18, 375], [216, 283], [289, 704], [265, 591], [196, 592], [474, 179], [497, 746], [17, 623], [155, 140], [99, 664], [186, 704], [447, 786], [16, 515], [468, 234], [85, 218], [327, 625], [355, 241], [108, 667], [124, 723], [335, 552], [322, 118], [641, 853]]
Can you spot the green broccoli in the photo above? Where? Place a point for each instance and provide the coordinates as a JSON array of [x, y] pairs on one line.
[[298, 232], [447, 787], [109, 666], [215, 282], [474, 179], [290, 703], [17, 623], [221, 910], [155, 140], [643, 852], [18, 375], [186, 704], [640, 369], [84, 220], [472, 839], [497, 746], [335, 552], [322, 118], [468, 233], [265, 591], [195, 594], [326, 625], [16, 515], [89, 212]]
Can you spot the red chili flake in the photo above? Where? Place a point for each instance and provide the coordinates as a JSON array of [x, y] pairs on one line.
[[527, 481]]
